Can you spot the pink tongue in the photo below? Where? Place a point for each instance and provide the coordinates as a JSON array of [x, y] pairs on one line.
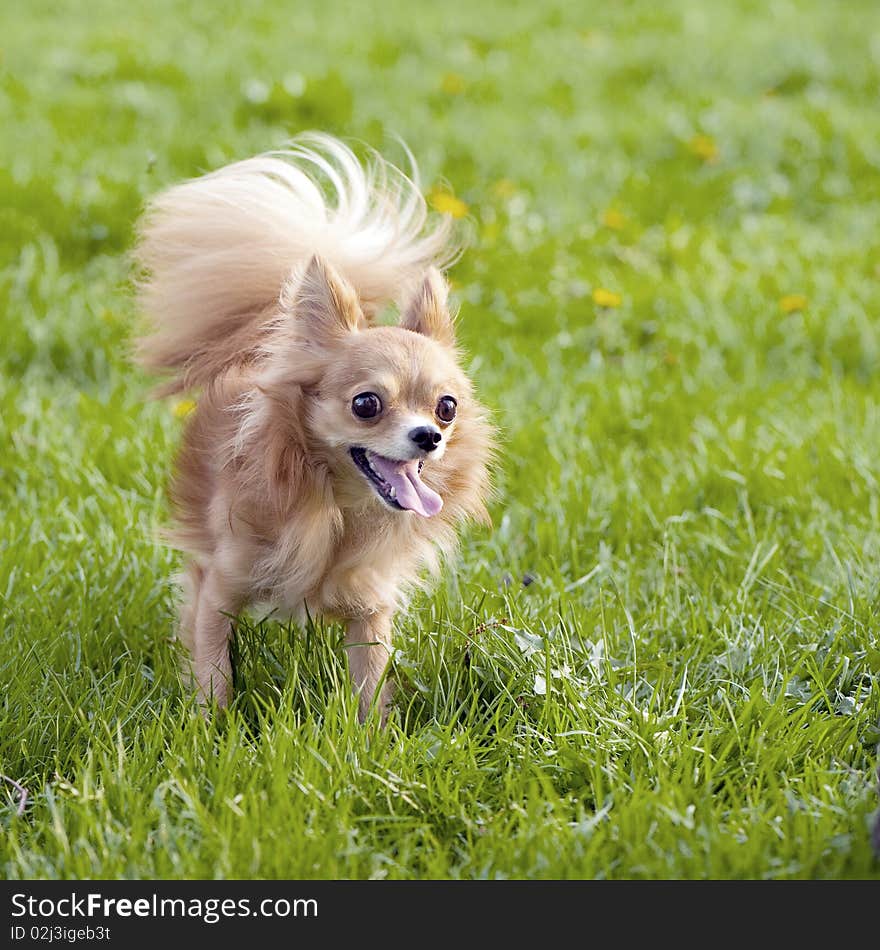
[[411, 492]]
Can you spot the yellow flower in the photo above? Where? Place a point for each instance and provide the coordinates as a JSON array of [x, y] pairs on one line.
[[792, 302], [504, 188], [446, 203], [614, 219], [704, 147], [606, 298], [183, 408], [590, 37], [452, 84]]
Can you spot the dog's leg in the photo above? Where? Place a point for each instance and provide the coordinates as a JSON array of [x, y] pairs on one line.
[[191, 582], [208, 638], [368, 644]]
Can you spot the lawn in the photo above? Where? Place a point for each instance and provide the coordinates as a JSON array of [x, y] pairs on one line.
[[662, 661]]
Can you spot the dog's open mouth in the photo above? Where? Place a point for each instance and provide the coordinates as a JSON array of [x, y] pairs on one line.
[[397, 483]]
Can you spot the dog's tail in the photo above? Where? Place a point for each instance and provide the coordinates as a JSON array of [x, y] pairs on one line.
[[215, 252]]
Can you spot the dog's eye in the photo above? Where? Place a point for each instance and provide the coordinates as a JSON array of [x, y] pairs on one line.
[[446, 408], [366, 405]]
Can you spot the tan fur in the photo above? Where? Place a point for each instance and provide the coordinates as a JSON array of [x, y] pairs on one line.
[[270, 507]]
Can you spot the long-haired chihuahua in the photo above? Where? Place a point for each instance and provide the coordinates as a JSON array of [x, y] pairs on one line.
[[330, 459]]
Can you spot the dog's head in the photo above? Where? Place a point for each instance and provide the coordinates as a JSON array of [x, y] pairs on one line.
[[389, 410]]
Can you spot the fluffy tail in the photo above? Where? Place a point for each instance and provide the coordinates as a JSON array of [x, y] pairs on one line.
[[215, 251]]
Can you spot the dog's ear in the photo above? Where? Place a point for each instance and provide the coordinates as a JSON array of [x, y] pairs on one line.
[[427, 313], [323, 305]]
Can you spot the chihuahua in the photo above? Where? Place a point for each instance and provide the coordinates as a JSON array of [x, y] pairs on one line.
[[330, 458]]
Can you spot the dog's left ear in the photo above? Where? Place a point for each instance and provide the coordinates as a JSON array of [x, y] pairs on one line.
[[324, 305], [427, 313]]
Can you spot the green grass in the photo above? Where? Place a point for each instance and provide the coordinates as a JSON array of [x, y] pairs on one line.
[[688, 687]]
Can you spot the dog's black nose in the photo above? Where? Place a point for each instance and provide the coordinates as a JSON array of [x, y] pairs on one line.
[[425, 437]]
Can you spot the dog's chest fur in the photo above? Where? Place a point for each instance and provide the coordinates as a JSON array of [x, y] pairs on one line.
[[349, 564]]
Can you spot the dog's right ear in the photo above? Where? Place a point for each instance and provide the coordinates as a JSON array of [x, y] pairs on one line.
[[428, 313], [323, 305]]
